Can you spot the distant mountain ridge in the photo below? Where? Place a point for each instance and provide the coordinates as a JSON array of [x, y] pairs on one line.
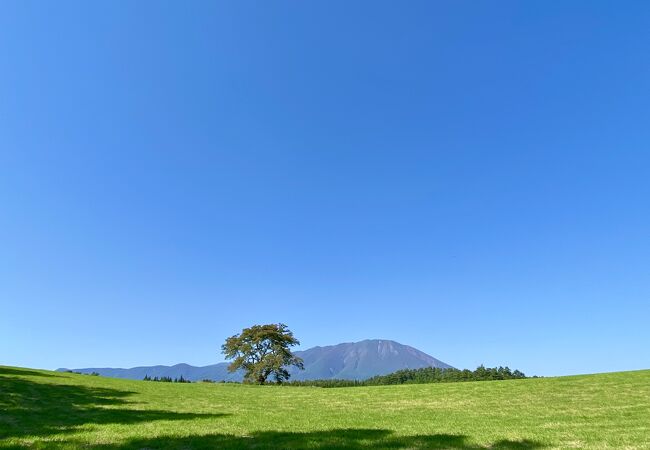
[[350, 361]]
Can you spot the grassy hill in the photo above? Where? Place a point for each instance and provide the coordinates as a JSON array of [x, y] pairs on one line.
[[41, 409]]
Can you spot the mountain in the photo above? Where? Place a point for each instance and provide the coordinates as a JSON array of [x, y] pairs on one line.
[[216, 372], [353, 360], [361, 360]]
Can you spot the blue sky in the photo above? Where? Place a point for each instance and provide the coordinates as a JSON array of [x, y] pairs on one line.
[[470, 178]]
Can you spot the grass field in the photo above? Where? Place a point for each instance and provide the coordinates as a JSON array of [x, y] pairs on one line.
[[41, 409]]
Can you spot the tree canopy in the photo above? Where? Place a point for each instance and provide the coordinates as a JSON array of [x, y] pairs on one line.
[[262, 351]]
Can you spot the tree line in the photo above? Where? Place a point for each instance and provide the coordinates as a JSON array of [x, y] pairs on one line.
[[94, 374], [405, 376], [167, 379], [421, 376]]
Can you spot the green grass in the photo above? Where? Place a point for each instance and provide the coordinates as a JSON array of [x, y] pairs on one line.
[[41, 409]]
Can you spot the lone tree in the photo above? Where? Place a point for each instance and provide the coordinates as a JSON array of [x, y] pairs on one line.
[[262, 351]]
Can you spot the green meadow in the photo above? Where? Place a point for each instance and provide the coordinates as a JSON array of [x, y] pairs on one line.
[[42, 409]]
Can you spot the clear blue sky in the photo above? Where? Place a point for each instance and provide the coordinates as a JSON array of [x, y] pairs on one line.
[[470, 178]]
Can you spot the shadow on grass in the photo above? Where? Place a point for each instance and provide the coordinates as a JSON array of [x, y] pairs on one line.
[[30, 408], [341, 439]]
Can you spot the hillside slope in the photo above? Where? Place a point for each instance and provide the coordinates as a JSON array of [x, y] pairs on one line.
[[40, 409], [352, 361]]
